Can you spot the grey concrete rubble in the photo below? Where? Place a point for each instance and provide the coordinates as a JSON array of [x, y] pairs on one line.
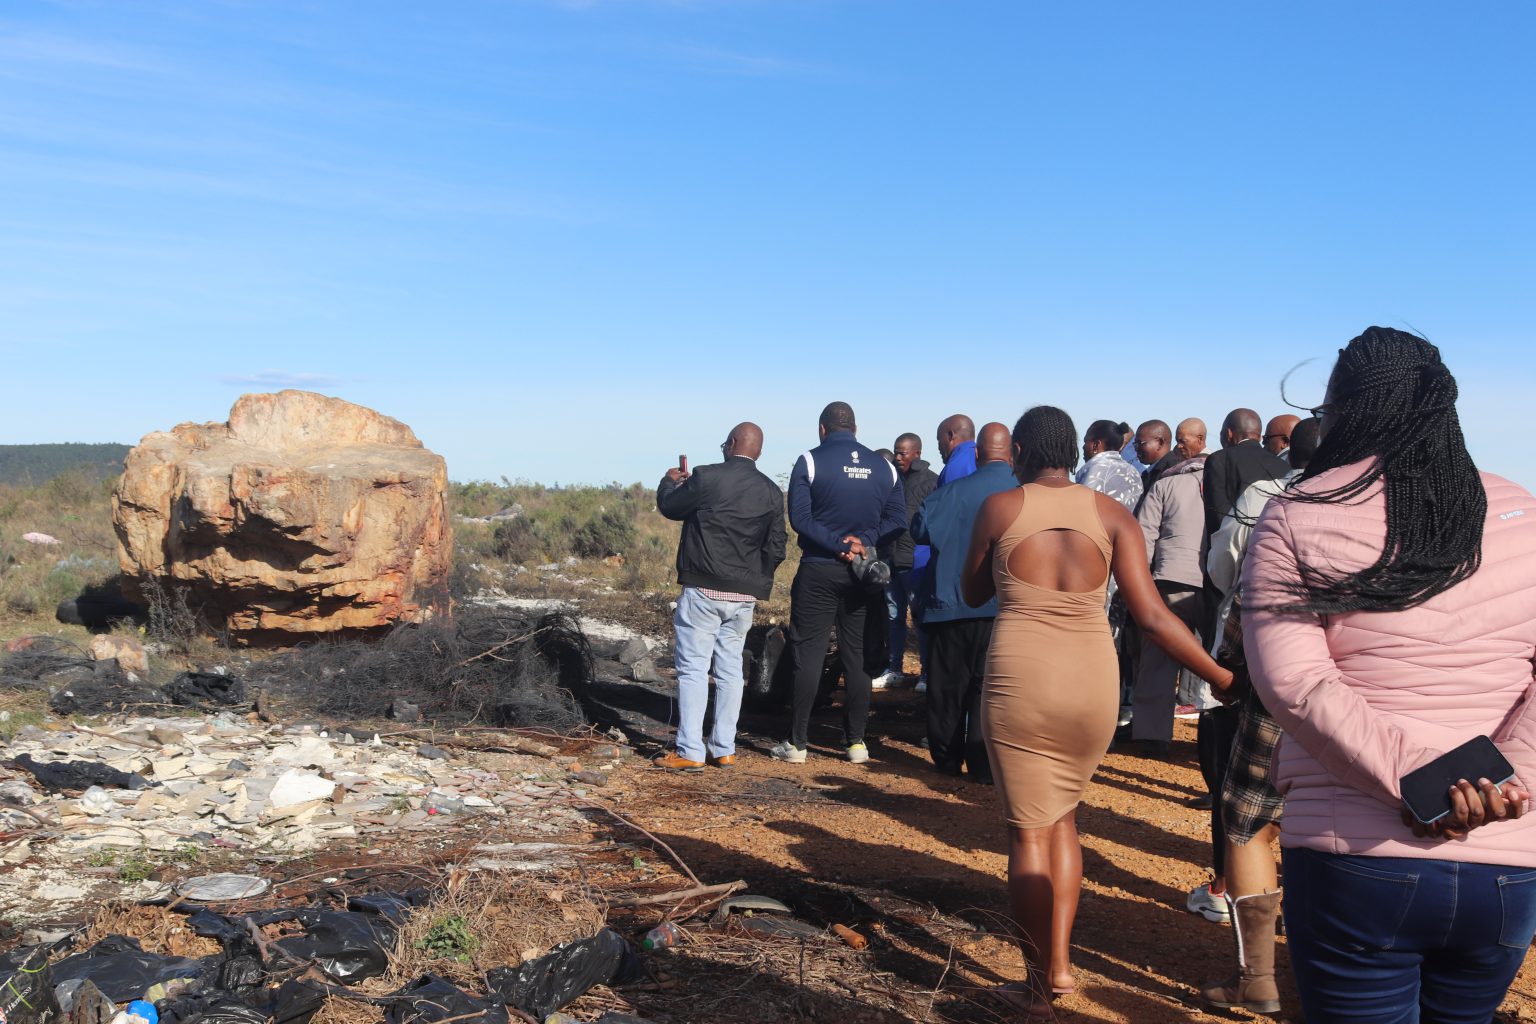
[[225, 782]]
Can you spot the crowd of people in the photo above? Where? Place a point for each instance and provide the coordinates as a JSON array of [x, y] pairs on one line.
[[1338, 600]]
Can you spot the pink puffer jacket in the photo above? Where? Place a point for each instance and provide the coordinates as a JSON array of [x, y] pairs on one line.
[[1366, 697]]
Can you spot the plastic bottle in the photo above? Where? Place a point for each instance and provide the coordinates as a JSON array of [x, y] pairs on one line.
[[663, 935]]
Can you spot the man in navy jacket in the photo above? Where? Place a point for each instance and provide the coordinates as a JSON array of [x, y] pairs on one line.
[[844, 501]]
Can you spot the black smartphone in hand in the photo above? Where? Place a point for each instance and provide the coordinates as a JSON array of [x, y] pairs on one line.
[[1427, 790]]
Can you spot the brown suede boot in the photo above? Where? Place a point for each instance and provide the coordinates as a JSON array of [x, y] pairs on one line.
[[1253, 988]]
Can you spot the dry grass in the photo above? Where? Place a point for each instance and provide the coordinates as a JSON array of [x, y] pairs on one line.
[[156, 928], [511, 917], [34, 578]]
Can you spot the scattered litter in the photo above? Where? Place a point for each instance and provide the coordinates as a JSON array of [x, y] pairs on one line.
[[540, 987], [772, 927], [849, 936], [121, 969], [34, 537], [749, 902], [347, 945], [205, 690], [211, 1008], [222, 886], [436, 999], [61, 775], [24, 984], [663, 935]]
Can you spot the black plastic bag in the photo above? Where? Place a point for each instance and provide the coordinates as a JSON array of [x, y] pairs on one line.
[[26, 986], [204, 689], [431, 998], [209, 1008], [348, 946], [393, 907], [294, 1002], [56, 775], [542, 986], [122, 970]]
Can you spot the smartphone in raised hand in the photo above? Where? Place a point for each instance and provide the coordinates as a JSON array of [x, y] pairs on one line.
[[682, 464]]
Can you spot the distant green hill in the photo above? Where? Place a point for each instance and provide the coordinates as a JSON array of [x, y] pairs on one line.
[[36, 463]]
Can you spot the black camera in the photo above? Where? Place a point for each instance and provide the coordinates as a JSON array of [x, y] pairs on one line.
[[872, 572]]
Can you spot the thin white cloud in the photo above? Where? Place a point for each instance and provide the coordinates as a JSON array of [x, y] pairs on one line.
[[45, 50], [280, 379]]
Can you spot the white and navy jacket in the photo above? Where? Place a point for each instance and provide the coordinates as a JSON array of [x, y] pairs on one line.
[[841, 488]]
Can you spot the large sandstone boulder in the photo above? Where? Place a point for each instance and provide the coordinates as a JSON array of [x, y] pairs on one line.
[[302, 515]]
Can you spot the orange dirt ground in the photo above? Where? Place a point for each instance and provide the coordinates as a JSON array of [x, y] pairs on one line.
[[897, 825]]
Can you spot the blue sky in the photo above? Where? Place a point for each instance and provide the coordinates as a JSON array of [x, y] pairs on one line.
[[566, 241]]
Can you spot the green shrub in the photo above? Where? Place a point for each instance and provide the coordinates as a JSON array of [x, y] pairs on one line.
[[516, 540], [609, 532], [449, 938]]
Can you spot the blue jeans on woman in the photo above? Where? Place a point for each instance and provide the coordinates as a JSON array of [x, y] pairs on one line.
[[1397, 940]]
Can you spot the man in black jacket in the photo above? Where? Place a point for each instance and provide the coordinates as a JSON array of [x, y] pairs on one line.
[[908, 561], [733, 541], [1241, 463], [844, 502]]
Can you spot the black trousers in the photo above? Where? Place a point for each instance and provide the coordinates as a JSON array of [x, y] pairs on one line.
[[957, 665], [1214, 737], [826, 594]]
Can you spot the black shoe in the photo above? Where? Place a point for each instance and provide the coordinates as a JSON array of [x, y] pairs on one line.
[[1157, 749], [1203, 802]]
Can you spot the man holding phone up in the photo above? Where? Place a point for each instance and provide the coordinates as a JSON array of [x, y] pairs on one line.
[[733, 541]]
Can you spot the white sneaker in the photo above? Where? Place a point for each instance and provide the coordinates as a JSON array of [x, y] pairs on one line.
[[788, 753], [885, 679], [1211, 907], [858, 753]]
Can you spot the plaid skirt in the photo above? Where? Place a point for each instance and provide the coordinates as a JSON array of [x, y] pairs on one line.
[[1248, 800]]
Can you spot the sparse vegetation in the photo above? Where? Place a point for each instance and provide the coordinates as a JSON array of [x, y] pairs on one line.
[[135, 868], [516, 537], [74, 509], [449, 938], [29, 464]]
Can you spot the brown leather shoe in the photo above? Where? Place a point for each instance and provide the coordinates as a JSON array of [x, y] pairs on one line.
[[672, 762], [723, 762]]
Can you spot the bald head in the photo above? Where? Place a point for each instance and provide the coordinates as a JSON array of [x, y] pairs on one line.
[[994, 444], [1277, 435], [957, 429], [746, 440], [1239, 426], [1189, 438]]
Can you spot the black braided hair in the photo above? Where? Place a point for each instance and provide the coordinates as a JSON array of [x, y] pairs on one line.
[[1392, 402], [1046, 439]]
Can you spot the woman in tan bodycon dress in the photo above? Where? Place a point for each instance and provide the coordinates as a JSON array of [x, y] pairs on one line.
[[1047, 549]]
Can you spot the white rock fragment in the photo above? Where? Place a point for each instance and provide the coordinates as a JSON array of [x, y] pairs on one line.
[[296, 787]]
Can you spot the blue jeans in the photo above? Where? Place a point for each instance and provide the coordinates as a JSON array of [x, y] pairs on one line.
[[710, 638], [1397, 940], [898, 597]]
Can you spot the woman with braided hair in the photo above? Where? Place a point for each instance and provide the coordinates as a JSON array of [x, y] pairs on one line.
[[1052, 690], [1391, 616]]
